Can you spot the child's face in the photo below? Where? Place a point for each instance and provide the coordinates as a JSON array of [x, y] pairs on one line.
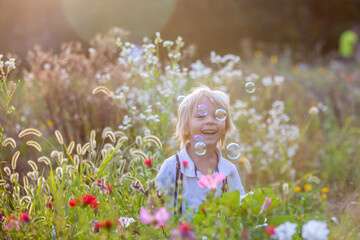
[[206, 125]]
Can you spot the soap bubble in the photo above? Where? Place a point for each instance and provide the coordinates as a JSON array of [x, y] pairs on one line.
[[202, 110], [200, 148], [220, 114], [180, 98], [198, 138], [250, 87], [233, 151]]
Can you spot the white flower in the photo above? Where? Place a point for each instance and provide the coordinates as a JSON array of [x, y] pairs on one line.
[[315, 230], [267, 81], [168, 43], [125, 222], [279, 79], [92, 51], [313, 110], [10, 63], [285, 231]]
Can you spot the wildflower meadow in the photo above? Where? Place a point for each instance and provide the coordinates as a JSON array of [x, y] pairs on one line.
[[84, 132]]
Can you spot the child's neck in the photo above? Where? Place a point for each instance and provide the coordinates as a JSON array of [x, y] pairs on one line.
[[207, 163]]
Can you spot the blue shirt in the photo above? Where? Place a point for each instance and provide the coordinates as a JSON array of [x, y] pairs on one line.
[[193, 194]]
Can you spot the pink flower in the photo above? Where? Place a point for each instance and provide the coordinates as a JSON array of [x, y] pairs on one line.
[[12, 224], [211, 181], [185, 163], [265, 205], [161, 216], [135, 231], [183, 232], [145, 216], [108, 188]]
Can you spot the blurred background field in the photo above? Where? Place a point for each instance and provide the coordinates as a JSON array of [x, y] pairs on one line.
[[299, 127]]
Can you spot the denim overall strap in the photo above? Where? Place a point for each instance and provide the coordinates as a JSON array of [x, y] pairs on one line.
[[178, 181]]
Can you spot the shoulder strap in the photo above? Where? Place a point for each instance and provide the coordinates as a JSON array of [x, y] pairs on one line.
[[224, 187], [178, 181]]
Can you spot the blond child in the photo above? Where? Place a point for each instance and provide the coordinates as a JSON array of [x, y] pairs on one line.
[[204, 121]]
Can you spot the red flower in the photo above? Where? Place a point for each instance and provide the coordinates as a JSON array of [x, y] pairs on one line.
[[25, 217], [107, 224], [270, 230], [184, 227], [135, 231], [89, 200], [185, 163], [73, 202], [148, 162], [49, 205], [99, 181], [244, 234]]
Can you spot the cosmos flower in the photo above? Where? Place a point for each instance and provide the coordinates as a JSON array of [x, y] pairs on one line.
[[211, 181]]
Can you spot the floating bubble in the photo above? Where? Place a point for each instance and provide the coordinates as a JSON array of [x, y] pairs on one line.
[[202, 110], [180, 98], [250, 87], [220, 114], [233, 151], [198, 138], [200, 148]]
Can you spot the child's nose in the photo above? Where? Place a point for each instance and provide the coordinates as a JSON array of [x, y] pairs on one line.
[[210, 119]]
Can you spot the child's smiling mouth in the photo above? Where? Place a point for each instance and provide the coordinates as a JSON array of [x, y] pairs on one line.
[[209, 132]]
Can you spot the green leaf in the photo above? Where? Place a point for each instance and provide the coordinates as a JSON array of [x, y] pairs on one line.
[[231, 198], [278, 220], [255, 201]]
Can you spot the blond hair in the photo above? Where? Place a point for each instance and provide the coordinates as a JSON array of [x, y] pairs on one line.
[[189, 104]]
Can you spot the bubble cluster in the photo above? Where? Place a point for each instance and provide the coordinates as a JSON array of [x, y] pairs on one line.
[[250, 87], [180, 98], [202, 110], [233, 151], [200, 148], [220, 114]]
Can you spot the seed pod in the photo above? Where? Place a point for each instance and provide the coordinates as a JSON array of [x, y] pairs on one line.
[[59, 172], [59, 137], [7, 170], [9, 141], [33, 165], [71, 147], [34, 145], [14, 159], [44, 159], [30, 131]]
